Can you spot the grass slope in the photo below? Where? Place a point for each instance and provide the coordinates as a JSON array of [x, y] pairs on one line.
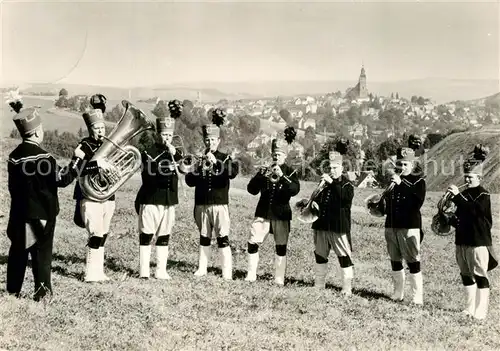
[[188, 313], [445, 159]]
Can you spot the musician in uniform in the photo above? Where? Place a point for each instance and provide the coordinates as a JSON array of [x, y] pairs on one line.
[[403, 224], [332, 229], [211, 210], [473, 223], [33, 181], [157, 197], [94, 216], [273, 213]]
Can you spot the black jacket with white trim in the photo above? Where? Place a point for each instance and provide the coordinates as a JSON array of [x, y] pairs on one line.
[[403, 203]]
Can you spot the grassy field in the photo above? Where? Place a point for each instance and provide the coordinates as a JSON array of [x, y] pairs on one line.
[[208, 313]]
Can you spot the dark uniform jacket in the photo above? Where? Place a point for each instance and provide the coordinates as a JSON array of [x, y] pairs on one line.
[[335, 207], [474, 221], [33, 180], [403, 203], [89, 146], [274, 202], [212, 188], [159, 178]]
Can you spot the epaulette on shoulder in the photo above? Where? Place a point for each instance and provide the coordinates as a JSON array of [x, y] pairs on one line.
[[485, 193], [407, 182], [15, 161], [346, 182]]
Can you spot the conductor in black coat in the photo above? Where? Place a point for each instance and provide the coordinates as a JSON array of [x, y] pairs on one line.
[[33, 181]]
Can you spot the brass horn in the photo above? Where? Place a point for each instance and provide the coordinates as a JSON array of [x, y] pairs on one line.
[[376, 203], [308, 211], [190, 162], [443, 220], [123, 158]]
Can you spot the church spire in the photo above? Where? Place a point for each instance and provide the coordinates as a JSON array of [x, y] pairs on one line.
[[363, 73]]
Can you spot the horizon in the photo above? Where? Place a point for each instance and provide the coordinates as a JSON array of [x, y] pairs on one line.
[[130, 45], [189, 85]]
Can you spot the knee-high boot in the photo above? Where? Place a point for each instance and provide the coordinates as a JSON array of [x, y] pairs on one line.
[[203, 261], [482, 302], [280, 269], [347, 275], [144, 260], [417, 288], [398, 278], [470, 299], [320, 271], [92, 268], [161, 263], [253, 263], [227, 263]]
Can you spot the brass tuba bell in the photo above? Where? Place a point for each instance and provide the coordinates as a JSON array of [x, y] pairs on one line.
[[124, 159]]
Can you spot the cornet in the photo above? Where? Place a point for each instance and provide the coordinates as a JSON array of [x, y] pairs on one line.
[[442, 221]]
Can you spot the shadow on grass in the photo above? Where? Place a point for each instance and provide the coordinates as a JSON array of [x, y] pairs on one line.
[[361, 292], [72, 259]]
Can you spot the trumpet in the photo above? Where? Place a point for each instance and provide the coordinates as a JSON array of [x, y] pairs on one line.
[[190, 162], [443, 220], [175, 164], [271, 173]]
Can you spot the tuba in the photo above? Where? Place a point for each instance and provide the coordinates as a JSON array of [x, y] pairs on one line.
[[308, 211], [124, 159], [445, 218]]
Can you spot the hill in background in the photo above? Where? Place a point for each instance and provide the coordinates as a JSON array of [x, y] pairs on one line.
[[441, 90], [444, 160]]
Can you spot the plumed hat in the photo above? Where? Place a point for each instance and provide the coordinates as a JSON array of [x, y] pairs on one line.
[[281, 144], [27, 120], [405, 154], [415, 143], [213, 129], [337, 152], [93, 116], [474, 163], [98, 101]]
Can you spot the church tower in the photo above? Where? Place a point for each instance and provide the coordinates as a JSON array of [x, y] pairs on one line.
[[363, 91]]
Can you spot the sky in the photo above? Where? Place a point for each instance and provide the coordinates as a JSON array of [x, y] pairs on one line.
[[149, 43]]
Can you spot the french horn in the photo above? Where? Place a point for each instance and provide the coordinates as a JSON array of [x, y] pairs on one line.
[[124, 159]]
